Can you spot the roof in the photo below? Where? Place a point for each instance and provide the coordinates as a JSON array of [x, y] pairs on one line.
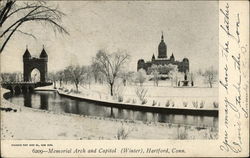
[[26, 54], [185, 60], [43, 54], [153, 56]]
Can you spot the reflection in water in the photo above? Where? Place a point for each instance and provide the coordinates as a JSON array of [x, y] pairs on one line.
[[53, 102], [112, 113], [44, 101], [27, 99]]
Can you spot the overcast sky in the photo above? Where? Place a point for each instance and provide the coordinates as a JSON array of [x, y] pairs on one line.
[[190, 30]]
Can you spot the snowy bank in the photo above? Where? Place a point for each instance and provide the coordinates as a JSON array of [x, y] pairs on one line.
[[140, 107]]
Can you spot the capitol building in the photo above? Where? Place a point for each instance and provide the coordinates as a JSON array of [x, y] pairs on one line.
[[162, 59]]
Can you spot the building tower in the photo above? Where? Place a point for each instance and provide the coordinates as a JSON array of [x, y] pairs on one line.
[[162, 48], [172, 59], [153, 58]]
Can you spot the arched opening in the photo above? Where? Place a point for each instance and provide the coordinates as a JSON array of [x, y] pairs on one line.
[[35, 75], [31, 89], [17, 90], [10, 88], [24, 89]]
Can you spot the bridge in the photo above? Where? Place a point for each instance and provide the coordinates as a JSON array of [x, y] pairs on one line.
[[19, 87]]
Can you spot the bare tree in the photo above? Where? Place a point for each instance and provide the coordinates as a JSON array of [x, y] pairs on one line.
[[88, 73], [141, 76], [60, 77], [199, 72], [95, 70], [154, 70], [210, 76], [174, 75], [4, 77], [192, 78], [66, 76], [125, 76], [13, 15], [10, 77], [141, 93], [53, 77], [111, 65], [19, 76], [76, 74]]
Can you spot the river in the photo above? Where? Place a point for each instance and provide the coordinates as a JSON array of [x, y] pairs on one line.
[[52, 101]]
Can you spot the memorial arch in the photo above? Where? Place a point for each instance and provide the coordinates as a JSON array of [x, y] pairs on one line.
[[31, 63]]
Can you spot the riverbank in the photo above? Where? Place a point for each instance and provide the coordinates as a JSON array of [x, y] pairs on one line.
[[50, 125], [145, 108], [193, 98]]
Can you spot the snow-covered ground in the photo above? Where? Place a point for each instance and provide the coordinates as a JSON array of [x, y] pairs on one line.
[[161, 96], [28, 123]]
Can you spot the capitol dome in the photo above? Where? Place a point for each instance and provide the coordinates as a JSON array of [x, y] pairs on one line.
[[162, 49]]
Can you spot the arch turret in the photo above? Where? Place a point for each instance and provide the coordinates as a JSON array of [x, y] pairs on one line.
[[26, 54], [43, 54], [30, 63]]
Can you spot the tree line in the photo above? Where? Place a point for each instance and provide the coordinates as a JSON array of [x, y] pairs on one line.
[[105, 68]]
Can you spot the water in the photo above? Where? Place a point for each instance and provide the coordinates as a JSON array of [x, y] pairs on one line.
[[52, 101]]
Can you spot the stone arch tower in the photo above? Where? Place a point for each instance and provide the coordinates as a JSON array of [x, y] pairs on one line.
[[30, 63]]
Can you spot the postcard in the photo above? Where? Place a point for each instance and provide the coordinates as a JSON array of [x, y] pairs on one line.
[[124, 78]]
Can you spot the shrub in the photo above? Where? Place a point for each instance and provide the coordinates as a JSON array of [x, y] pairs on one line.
[[122, 133], [141, 94], [128, 100], [134, 101], [216, 105], [202, 103], [76, 92], [173, 104], [195, 104], [144, 101], [154, 103], [120, 98], [159, 104], [183, 135], [185, 104], [167, 103]]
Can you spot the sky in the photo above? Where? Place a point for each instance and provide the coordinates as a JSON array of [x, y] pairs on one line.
[[190, 31]]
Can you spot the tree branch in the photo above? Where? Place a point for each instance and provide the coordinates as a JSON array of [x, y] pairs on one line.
[[8, 38], [5, 10], [26, 33], [19, 9], [36, 11], [18, 21], [59, 27]]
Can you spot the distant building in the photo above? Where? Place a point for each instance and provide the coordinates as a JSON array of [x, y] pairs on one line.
[[183, 66]]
